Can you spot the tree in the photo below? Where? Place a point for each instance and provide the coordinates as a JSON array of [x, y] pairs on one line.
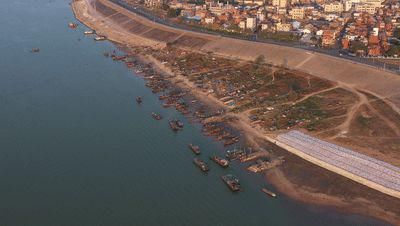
[[259, 60], [396, 33], [314, 40], [173, 12], [357, 45], [394, 50]]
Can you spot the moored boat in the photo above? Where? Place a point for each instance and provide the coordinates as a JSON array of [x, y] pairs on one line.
[[162, 97], [234, 154], [88, 32], [173, 125], [220, 161], [195, 149], [201, 164], [72, 25], [156, 116], [232, 182], [100, 38], [179, 124]]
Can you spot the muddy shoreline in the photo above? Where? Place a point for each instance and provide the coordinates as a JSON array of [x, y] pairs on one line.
[[279, 177]]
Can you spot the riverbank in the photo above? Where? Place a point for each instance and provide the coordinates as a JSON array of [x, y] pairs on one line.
[[348, 195], [242, 120]]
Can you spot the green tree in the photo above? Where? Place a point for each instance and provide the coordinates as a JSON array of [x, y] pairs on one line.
[[357, 45], [394, 50], [259, 60], [173, 12], [396, 33]]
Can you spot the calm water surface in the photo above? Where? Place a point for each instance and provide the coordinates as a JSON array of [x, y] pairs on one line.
[[77, 150]]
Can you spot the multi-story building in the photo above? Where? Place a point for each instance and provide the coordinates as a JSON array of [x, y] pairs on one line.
[[242, 24], [371, 9], [334, 7], [251, 23], [329, 37], [254, 2], [279, 3], [283, 27], [347, 5], [153, 3], [297, 13]]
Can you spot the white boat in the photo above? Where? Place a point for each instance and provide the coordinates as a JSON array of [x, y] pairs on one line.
[[100, 38], [89, 32]]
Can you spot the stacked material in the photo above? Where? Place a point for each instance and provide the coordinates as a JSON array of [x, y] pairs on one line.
[[355, 163]]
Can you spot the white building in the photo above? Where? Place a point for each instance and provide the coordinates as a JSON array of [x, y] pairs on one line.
[[251, 23], [242, 24], [347, 5], [209, 20], [264, 26]]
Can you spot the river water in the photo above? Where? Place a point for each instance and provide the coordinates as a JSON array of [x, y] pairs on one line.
[[77, 150]]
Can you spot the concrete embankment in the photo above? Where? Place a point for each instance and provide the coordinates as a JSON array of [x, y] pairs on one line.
[[129, 28]]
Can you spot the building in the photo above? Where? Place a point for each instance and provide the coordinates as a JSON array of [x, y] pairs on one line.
[[279, 3], [348, 4], [329, 37], [251, 23], [334, 7], [254, 2], [242, 24], [371, 9], [153, 3], [264, 26], [209, 20], [283, 27], [297, 13]]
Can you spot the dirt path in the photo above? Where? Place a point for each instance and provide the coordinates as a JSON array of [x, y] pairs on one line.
[[315, 93], [354, 110]]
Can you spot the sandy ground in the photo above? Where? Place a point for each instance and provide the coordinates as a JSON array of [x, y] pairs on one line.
[[92, 19]]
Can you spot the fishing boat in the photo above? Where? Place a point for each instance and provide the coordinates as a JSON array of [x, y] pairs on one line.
[[35, 50], [174, 125], [139, 99], [89, 32], [179, 124], [234, 154], [195, 149], [268, 192], [162, 97], [100, 38], [72, 25], [220, 161], [201, 164], [232, 182], [156, 116]]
